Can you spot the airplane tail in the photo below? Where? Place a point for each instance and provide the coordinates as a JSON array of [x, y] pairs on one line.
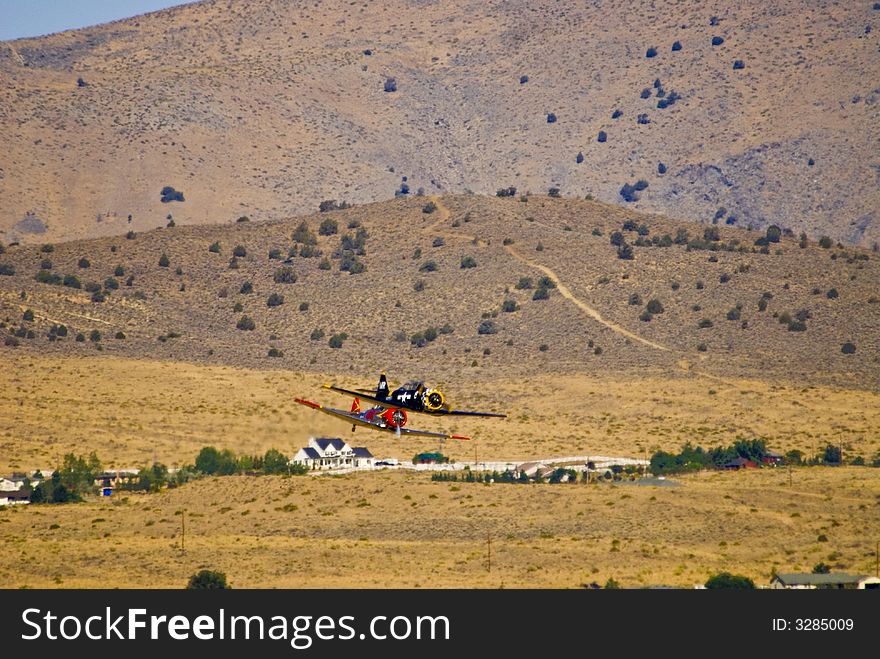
[[382, 389], [356, 406]]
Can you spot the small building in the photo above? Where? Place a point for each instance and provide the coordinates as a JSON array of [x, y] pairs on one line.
[[772, 458], [332, 453], [832, 580], [739, 463], [18, 497]]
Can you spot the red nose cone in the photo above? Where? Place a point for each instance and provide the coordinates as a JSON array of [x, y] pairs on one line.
[[395, 418]]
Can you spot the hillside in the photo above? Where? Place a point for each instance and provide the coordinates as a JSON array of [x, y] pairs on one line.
[[264, 109], [725, 307]]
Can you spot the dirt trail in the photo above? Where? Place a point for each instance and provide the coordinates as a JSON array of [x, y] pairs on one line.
[[443, 215]]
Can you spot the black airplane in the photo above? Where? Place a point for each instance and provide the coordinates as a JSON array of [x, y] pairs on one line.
[[414, 396]]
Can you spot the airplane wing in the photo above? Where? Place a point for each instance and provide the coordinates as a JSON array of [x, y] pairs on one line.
[[352, 417], [390, 404]]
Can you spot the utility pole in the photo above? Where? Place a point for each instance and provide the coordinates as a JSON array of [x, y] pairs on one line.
[[789, 475], [488, 552], [877, 560], [183, 531]]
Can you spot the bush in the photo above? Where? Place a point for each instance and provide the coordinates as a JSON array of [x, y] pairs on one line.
[[617, 239], [825, 242], [832, 294], [645, 316], [94, 336], [284, 275], [523, 79], [711, 233], [274, 254], [654, 306], [551, 118], [717, 41], [7, 269], [651, 52], [390, 85], [602, 137], [635, 299], [734, 314], [207, 580], [169, 194], [728, 580], [428, 266], [214, 248], [274, 300], [553, 192], [676, 46], [509, 306], [47, 248], [84, 263], [239, 251], [738, 64], [429, 208], [275, 352], [28, 315], [120, 335], [328, 227], [705, 323], [163, 261], [524, 283], [337, 339], [579, 158], [797, 326], [487, 327], [233, 263], [468, 262], [245, 323], [848, 348], [542, 293], [625, 252]]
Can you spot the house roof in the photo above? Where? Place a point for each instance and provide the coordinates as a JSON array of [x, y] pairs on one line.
[[19, 495], [311, 453], [804, 579], [738, 462], [324, 442], [362, 452], [773, 454]]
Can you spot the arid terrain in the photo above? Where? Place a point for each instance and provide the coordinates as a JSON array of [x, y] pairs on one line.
[[402, 530], [690, 254], [762, 113]]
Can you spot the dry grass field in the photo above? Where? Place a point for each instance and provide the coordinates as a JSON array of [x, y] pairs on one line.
[[134, 412], [402, 530], [265, 108]]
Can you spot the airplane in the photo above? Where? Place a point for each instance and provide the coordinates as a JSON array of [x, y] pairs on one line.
[[377, 418], [413, 396]]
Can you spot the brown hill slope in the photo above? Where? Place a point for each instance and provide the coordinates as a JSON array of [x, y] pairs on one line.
[[725, 308], [265, 108]]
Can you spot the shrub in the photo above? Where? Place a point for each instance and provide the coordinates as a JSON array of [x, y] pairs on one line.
[[214, 248], [245, 323], [625, 252], [238, 307], [704, 323], [163, 261], [7, 269], [728, 580], [120, 335], [207, 580], [654, 306], [94, 336], [487, 327], [643, 119], [797, 326], [169, 194], [45, 264], [553, 192], [84, 263], [111, 284], [651, 52], [542, 293], [676, 46], [328, 227], [429, 266], [579, 158], [617, 239], [848, 348], [717, 41], [523, 79], [274, 300], [734, 314], [825, 242], [28, 315], [233, 263], [635, 299], [832, 294], [524, 283], [275, 352], [337, 339], [390, 85], [80, 337], [429, 208], [645, 316], [738, 64], [284, 275], [551, 118], [711, 233], [468, 262], [274, 254], [45, 277], [509, 306], [47, 248], [246, 288], [317, 334], [602, 137], [724, 278]]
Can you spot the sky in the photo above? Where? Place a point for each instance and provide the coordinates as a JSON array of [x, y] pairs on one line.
[[31, 18]]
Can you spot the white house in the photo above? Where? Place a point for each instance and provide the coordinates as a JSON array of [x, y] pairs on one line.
[[15, 498], [837, 580], [327, 453]]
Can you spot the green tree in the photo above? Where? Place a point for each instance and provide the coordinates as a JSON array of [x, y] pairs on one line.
[[728, 580], [208, 580], [275, 462]]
